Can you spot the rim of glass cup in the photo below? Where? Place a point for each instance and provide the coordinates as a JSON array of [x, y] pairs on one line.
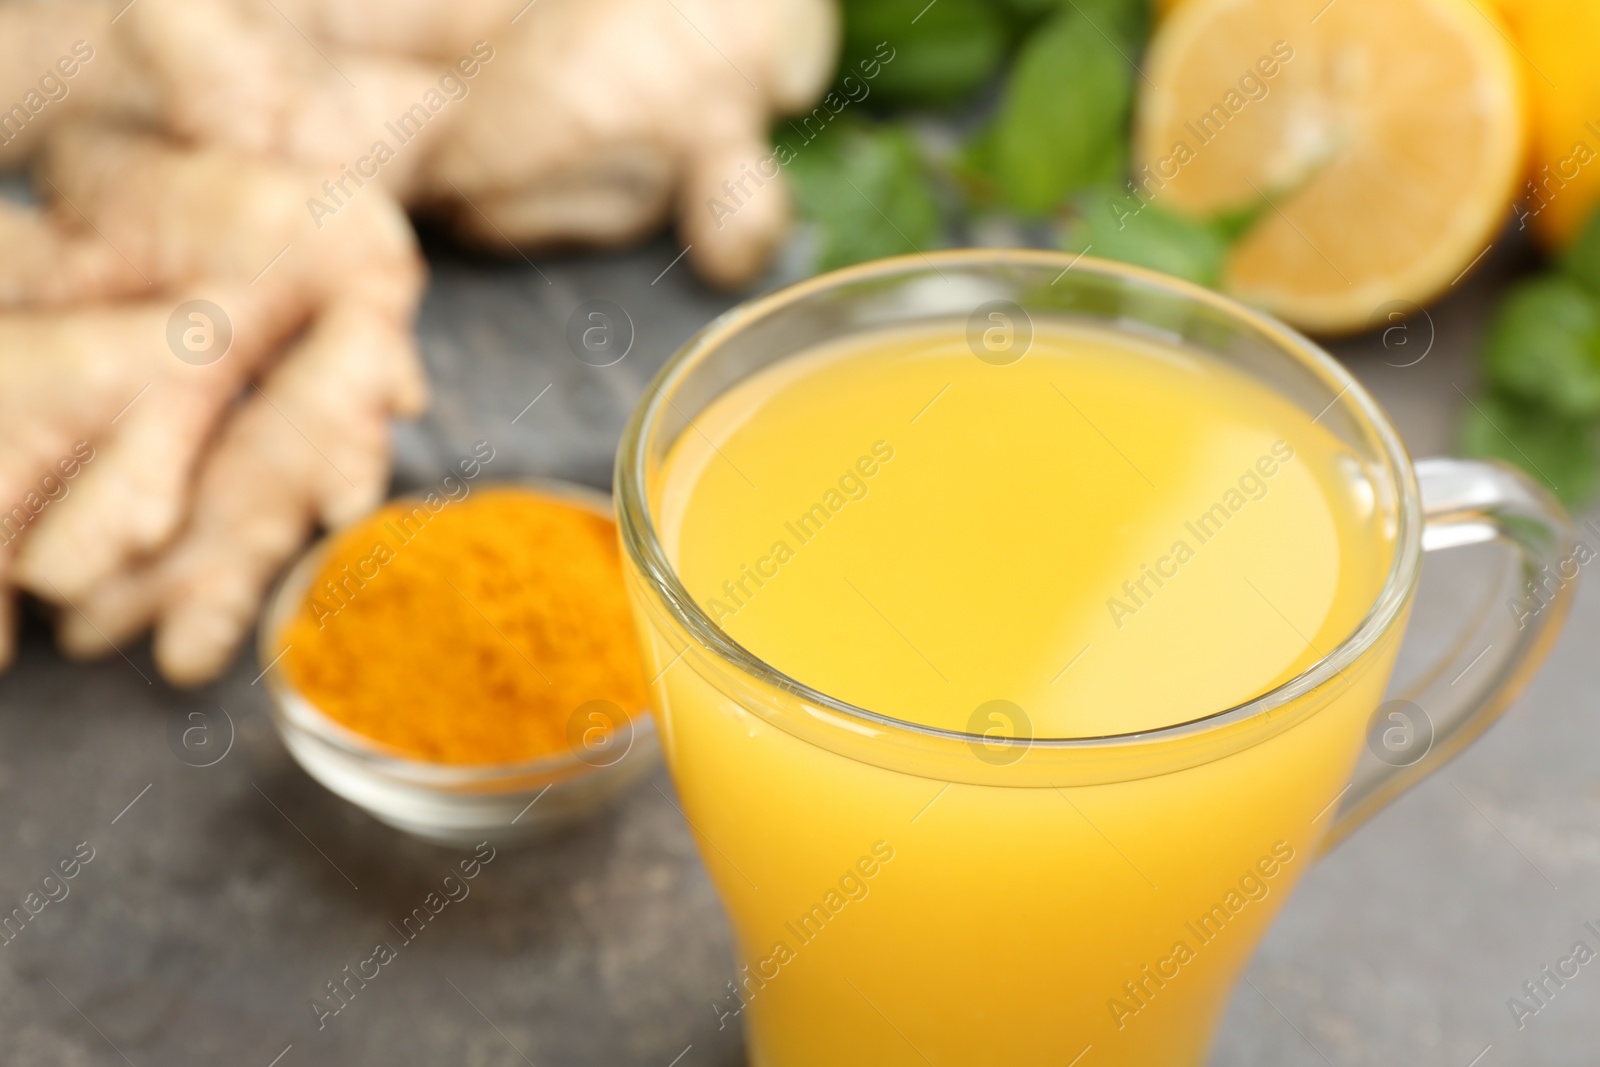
[[636, 523], [296, 709]]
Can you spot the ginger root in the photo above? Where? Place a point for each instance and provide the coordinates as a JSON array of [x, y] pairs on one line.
[[310, 445], [107, 373], [577, 134], [229, 151], [580, 122]]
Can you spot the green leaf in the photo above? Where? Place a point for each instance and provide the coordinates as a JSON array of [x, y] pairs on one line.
[[1544, 345], [1063, 121], [1581, 260], [1114, 225], [1233, 223], [974, 167], [1555, 450], [866, 192], [1025, 14], [1125, 21], [937, 54]]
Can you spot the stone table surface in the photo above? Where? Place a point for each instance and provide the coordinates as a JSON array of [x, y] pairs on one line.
[[219, 900]]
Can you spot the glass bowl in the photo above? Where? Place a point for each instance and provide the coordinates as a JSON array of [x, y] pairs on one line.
[[454, 804]]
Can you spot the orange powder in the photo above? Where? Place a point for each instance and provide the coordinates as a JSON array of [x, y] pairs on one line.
[[471, 633]]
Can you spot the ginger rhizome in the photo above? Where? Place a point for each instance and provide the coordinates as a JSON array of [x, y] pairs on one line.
[[258, 157]]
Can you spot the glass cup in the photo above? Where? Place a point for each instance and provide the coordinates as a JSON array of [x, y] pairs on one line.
[[908, 895]]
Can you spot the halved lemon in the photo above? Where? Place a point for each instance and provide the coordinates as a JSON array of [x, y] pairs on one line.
[[1381, 141]]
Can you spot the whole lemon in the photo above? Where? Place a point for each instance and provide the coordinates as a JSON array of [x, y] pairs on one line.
[[1557, 40]]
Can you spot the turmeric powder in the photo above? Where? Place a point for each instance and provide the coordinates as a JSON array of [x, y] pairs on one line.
[[469, 631]]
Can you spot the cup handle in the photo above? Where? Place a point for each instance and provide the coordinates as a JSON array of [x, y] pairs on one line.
[[1468, 502]]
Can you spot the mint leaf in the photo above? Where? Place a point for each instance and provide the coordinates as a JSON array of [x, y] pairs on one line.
[[1581, 260], [941, 52], [1025, 14], [1544, 345], [1557, 451], [974, 167], [1117, 226], [1125, 21], [865, 190], [1063, 120], [1233, 223]]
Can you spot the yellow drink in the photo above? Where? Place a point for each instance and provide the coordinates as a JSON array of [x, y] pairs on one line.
[[1196, 533], [1107, 536]]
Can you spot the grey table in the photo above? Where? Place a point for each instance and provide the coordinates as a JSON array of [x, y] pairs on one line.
[[220, 900]]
